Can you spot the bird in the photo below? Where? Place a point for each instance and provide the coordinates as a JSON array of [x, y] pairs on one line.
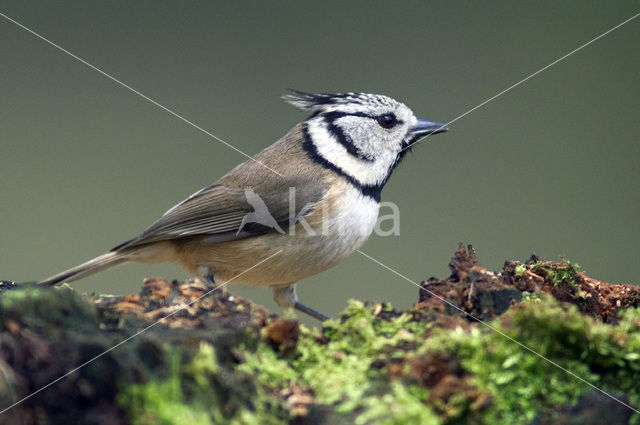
[[295, 209]]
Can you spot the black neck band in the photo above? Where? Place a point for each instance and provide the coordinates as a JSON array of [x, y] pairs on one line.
[[372, 191]]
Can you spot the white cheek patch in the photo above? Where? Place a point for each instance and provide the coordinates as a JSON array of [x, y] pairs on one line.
[[370, 173]]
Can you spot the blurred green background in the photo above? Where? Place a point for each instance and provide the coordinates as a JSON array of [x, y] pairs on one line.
[[551, 167]]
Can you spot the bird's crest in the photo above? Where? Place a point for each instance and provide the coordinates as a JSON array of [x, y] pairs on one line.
[[324, 101]]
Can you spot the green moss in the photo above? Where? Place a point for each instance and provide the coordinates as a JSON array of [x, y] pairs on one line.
[[203, 364], [403, 405], [560, 275], [338, 369], [200, 392], [524, 384], [47, 308], [520, 270], [335, 366], [521, 383], [162, 402], [531, 296]]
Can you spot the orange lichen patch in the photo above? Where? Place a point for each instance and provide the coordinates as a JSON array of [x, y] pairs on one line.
[[188, 304], [129, 307], [130, 304], [193, 290], [158, 288], [132, 298], [282, 334], [13, 327]]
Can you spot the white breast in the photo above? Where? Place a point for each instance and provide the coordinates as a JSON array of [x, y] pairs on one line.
[[353, 221], [345, 227]]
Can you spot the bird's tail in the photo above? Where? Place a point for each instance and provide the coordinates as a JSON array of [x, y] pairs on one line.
[[100, 263]]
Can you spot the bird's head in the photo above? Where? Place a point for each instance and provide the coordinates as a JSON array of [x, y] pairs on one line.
[[361, 135]]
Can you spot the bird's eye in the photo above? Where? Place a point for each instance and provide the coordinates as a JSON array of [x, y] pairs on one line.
[[387, 120]]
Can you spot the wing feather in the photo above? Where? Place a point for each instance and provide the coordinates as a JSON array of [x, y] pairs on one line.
[[217, 212]]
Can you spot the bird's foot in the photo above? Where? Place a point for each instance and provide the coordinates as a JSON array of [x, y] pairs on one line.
[[311, 312]]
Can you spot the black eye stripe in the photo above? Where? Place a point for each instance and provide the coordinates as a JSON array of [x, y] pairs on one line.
[[334, 115]]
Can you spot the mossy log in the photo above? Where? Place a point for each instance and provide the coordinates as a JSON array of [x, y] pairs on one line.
[[177, 354]]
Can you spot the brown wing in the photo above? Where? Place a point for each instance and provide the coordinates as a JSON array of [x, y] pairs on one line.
[[218, 211]]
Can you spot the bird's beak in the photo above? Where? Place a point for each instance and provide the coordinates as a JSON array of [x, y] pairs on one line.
[[426, 128]]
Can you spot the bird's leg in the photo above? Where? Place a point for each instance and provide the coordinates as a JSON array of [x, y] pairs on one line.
[[209, 278], [205, 275], [285, 296], [311, 312]]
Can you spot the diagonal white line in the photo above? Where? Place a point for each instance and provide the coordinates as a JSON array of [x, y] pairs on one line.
[[133, 336], [136, 92], [530, 76], [499, 332]]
